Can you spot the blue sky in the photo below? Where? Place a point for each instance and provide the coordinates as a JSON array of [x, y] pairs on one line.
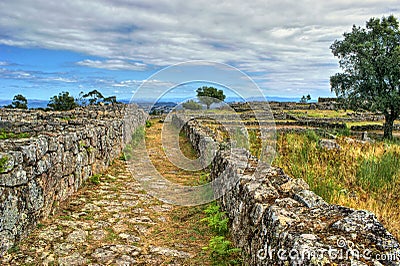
[[114, 45]]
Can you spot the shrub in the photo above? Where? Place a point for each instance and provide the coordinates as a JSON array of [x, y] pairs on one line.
[[221, 251], [192, 105], [19, 102], [216, 219], [95, 179], [62, 102]]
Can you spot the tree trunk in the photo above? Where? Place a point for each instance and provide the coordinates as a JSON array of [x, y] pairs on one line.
[[388, 127]]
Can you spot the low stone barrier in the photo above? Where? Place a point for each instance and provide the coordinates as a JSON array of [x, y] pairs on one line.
[[277, 220], [63, 150]]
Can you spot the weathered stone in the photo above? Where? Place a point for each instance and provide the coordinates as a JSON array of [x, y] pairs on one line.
[[98, 234], [16, 178], [47, 168], [164, 251], [309, 199], [329, 144], [129, 238], [75, 259], [63, 249], [50, 233], [77, 236]]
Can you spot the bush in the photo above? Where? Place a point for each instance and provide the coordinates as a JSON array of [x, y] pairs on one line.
[[19, 102], [216, 219], [192, 105], [62, 102], [221, 250], [95, 179]]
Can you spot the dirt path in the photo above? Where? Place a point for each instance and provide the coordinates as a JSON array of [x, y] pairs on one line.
[[115, 222]]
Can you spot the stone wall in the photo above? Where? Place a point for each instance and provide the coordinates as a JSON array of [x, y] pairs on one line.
[[373, 127], [272, 212], [64, 149]]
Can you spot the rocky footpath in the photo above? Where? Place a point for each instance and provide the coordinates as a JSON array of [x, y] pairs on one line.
[[277, 220], [109, 223], [61, 151]]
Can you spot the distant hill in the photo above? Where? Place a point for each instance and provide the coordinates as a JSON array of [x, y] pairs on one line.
[[34, 103], [31, 103]]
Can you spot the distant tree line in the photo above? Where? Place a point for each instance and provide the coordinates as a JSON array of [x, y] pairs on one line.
[[64, 101]]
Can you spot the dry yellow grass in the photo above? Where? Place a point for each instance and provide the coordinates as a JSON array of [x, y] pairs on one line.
[[360, 176]]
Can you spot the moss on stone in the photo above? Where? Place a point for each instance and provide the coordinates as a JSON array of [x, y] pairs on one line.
[[3, 164]]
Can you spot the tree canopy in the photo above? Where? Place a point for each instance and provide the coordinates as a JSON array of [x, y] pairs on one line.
[[95, 97], [62, 102], [369, 58], [305, 99], [19, 102], [210, 95]]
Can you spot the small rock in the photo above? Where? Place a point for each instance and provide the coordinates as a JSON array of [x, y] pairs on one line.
[[329, 144], [91, 208], [77, 236], [164, 251], [309, 199], [98, 234], [63, 248], [125, 260], [74, 259], [143, 219], [129, 238], [50, 234]]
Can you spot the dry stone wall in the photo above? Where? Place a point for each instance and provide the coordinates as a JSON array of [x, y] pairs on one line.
[[64, 149], [277, 220]]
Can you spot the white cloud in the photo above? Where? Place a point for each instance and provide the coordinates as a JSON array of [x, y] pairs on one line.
[[115, 64], [281, 41]]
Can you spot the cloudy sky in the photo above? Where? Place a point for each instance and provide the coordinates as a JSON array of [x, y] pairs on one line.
[[113, 45]]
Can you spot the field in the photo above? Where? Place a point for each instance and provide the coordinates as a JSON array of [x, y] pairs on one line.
[[360, 175]]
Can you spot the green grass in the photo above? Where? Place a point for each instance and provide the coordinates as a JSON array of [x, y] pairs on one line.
[[216, 219], [3, 162], [220, 249], [95, 179], [11, 135], [68, 118], [137, 138], [13, 249], [378, 172], [320, 113]]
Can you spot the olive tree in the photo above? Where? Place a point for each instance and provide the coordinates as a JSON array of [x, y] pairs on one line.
[[210, 95], [370, 79]]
